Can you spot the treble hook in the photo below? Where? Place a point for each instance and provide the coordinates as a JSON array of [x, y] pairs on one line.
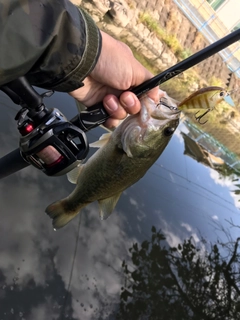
[[200, 117]]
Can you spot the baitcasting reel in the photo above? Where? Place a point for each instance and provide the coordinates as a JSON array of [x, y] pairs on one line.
[[49, 141], [42, 129]]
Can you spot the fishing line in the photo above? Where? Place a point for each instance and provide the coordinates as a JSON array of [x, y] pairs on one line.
[[198, 185], [209, 191], [7, 106], [190, 207], [204, 196], [62, 315], [185, 161]]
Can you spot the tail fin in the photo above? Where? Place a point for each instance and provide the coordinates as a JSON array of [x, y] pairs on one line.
[[60, 216]]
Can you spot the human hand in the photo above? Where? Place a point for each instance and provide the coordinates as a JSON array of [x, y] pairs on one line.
[[116, 71]]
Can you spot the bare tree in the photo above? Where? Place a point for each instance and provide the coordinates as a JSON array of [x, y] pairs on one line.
[[183, 282]]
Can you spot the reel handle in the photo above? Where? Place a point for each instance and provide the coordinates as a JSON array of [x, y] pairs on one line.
[[22, 93]]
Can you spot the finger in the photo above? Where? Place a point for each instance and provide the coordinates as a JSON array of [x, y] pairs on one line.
[[113, 107], [111, 123], [130, 102]]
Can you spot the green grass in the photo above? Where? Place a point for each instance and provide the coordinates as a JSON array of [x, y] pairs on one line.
[[169, 39], [178, 87], [151, 23], [214, 81]]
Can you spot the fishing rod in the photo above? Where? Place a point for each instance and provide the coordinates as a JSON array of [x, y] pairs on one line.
[[40, 127]]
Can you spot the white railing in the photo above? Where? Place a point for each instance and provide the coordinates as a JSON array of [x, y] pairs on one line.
[[205, 19]]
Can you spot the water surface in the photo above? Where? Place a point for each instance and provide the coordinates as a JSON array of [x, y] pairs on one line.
[[76, 272]]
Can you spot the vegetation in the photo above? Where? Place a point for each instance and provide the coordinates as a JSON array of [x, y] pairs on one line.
[[185, 53], [188, 282], [219, 126], [213, 81], [177, 87], [170, 40]]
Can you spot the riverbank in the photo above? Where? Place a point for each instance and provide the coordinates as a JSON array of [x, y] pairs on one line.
[[157, 57], [159, 31]]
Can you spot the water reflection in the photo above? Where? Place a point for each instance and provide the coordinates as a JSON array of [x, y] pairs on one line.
[[188, 281], [206, 150], [76, 272], [212, 146]]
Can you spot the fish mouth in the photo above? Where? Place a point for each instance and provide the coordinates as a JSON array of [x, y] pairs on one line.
[[166, 103], [165, 109]]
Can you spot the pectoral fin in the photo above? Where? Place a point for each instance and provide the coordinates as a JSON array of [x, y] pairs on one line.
[[74, 174], [102, 140], [107, 205]]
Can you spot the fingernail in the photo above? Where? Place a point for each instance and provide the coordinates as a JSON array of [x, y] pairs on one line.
[[129, 101], [111, 104]]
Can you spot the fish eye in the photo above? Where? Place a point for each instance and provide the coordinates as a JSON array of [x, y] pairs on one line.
[[221, 93], [168, 131]]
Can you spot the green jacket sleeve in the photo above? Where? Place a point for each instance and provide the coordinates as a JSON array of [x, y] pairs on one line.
[[52, 42]]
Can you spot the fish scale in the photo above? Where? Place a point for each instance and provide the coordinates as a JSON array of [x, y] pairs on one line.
[[123, 158], [126, 154]]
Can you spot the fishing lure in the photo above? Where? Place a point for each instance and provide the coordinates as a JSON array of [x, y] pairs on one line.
[[207, 99]]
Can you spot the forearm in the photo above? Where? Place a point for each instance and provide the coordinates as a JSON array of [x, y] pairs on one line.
[[51, 42]]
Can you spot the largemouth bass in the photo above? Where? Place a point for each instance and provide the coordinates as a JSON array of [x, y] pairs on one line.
[[123, 158]]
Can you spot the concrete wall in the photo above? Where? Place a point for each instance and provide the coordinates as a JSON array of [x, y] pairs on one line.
[[169, 18], [173, 20]]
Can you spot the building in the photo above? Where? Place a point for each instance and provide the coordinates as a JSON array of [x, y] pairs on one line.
[[215, 19], [228, 12]]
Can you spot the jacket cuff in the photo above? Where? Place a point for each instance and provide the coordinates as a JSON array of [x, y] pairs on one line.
[[88, 61]]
